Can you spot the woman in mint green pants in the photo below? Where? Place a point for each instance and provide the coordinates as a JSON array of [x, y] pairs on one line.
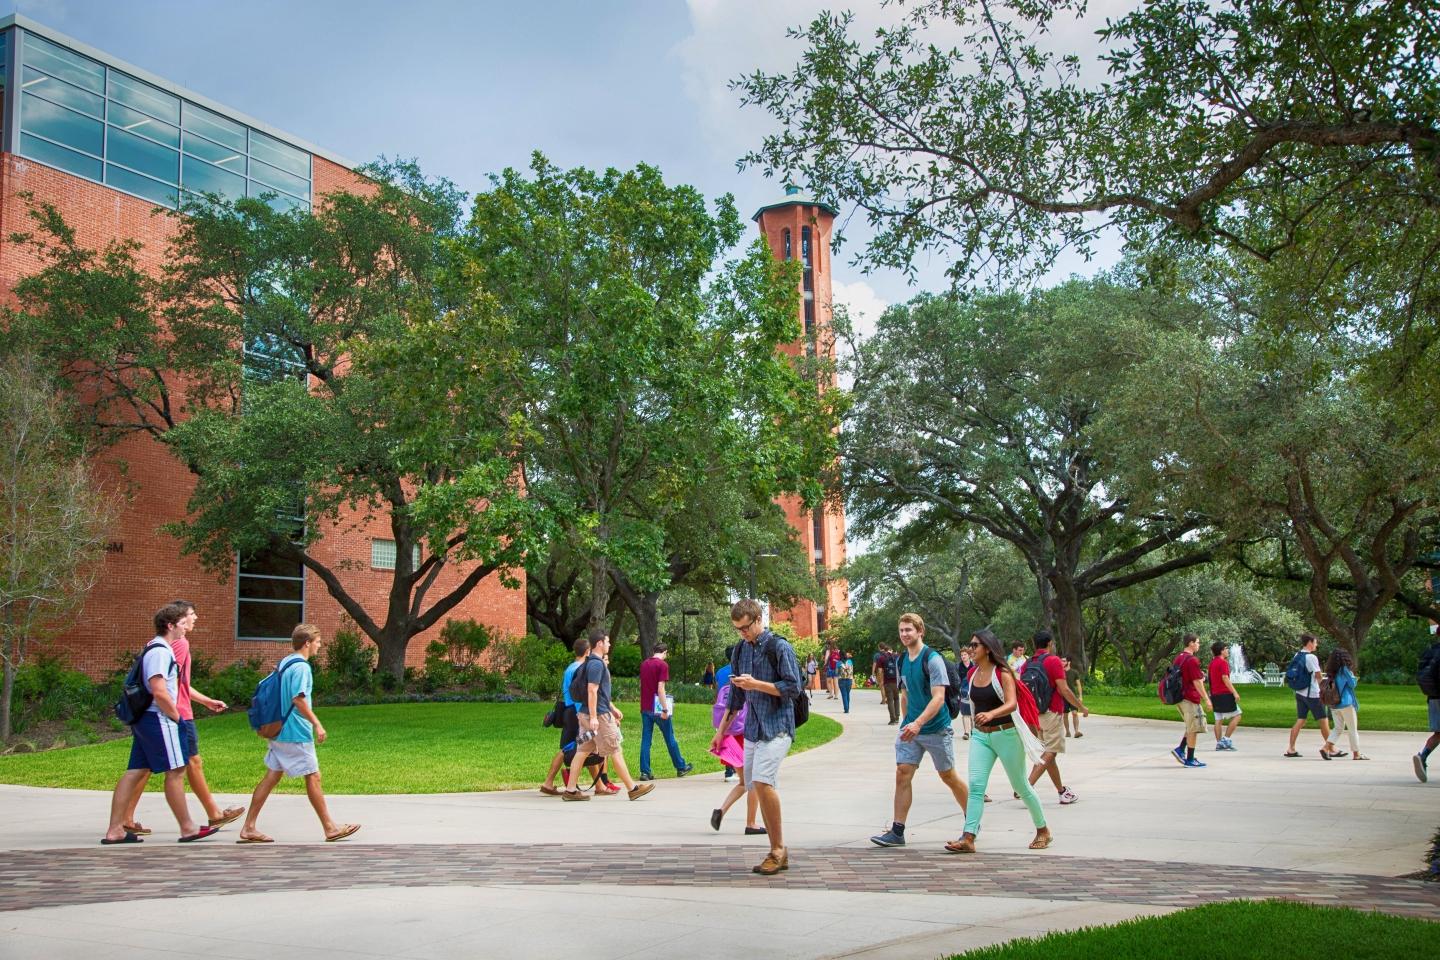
[[995, 738]]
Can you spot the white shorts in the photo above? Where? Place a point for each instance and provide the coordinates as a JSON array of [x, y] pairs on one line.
[[292, 759], [762, 760]]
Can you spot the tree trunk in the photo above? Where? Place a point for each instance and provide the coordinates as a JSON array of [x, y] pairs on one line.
[[1069, 618], [7, 690], [599, 590], [391, 645]]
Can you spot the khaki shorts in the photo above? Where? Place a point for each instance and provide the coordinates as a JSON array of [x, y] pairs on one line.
[[607, 739], [1052, 732], [1193, 715]]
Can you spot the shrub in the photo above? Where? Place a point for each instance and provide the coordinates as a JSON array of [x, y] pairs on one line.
[[464, 641], [534, 664], [625, 660], [236, 683], [349, 664], [46, 690]]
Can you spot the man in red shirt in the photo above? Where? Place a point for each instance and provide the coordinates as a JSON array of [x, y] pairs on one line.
[[1052, 720], [655, 710], [1224, 696], [1192, 676]]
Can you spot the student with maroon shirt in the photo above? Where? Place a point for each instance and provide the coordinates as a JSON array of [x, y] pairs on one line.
[[655, 711], [1225, 697], [1052, 723], [1191, 711]]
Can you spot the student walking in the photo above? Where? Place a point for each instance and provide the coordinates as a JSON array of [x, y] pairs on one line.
[[654, 674], [1224, 696], [832, 670], [924, 679], [812, 677], [1307, 692], [156, 745], [997, 737], [1340, 669], [292, 752], [568, 723], [888, 678], [1047, 667], [766, 679], [1077, 684], [967, 709], [847, 680], [1429, 678], [599, 721], [1194, 694], [185, 700], [731, 752]]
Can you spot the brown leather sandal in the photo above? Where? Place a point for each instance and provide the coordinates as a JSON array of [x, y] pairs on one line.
[[1043, 837], [966, 844]]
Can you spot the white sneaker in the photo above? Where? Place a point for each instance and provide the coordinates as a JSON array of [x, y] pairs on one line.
[[1067, 797]]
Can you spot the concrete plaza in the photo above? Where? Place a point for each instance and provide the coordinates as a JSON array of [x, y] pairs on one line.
[[516, 874]]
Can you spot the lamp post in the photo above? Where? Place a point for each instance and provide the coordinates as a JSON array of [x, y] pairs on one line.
[[683, 661]]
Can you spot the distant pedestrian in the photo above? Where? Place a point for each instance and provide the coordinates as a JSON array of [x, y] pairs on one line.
[[997, 736], [656, 707], [1017, 657], [1194, 694], [812, 675], [707, 679], [924, 678], [1224, 696], [967, 707], [1428, 676], [1340, 670], [186, 698], [847, 680], [292, 752], [832, 670], [156, 744], [885, 667], [1077, 685], [722, 680], [599, 721], [1052, 713], [766, 679], [731, 752], [1307, 693]]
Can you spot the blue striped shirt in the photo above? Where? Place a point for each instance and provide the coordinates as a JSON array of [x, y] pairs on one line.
[[772, 659]]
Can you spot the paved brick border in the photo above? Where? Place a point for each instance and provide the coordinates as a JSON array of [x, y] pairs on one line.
[[43, 878]]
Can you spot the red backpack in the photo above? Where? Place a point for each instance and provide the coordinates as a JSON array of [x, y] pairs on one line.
[[1025, 706]]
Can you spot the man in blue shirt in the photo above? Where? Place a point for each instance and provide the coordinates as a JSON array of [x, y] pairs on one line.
[[567, 722], [926, 727], [765, 675], [292, 752]]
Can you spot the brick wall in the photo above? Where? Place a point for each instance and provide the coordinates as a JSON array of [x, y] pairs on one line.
[[144, 569]]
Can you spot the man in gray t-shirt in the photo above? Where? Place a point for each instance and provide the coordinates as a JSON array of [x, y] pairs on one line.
[[599, 721], [1308, 704]]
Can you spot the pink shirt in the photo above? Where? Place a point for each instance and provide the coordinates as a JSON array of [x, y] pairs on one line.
[[181, 646]]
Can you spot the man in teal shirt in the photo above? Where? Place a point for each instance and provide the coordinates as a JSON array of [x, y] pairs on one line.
[[925, 727]]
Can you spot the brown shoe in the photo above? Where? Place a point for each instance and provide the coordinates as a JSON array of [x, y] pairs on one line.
[[1042, 839], [966, 844], [574, 795], [640, 790], [549, 791], [772, 864]]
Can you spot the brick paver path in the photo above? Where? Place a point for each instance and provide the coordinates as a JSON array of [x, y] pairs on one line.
[[42, 878]]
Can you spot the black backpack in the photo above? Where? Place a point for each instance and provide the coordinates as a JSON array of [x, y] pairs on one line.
[[1428, 675], [580, 683], [1172, 685], [801, 703], [954, 685], [135, 696], [1038, 681]]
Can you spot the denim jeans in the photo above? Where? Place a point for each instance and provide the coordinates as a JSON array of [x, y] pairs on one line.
[[845, 686], [648, 722]]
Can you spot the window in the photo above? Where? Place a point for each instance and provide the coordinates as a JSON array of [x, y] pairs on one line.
[[805, 246], [93, 121], [817, 534], [270, 597], [787, 243], [382, 555]]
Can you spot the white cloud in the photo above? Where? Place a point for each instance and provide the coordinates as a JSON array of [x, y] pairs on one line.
[[861, 303]]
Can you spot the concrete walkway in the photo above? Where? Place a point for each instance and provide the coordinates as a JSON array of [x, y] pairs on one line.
[[667, 883]]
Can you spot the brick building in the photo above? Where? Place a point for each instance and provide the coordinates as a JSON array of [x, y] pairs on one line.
[[799, 228], [106, 143]]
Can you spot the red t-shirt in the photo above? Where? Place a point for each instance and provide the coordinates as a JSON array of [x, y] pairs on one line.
[[1055, 670], [1190, 671], [653, 672], [181, 648], [832, 660], [1219, 674]]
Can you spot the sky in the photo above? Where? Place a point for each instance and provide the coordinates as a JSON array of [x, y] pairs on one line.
[[469, 88]]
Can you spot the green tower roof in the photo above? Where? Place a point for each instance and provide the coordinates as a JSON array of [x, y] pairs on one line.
[[793, 197]]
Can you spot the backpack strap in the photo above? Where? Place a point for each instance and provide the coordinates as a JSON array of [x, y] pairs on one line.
[[280, 679]]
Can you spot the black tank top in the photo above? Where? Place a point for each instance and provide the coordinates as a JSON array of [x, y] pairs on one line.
[[983, 697]]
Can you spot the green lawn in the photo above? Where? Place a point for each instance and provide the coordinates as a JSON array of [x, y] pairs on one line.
[[1381, 707], [1240, 930], [395, 748]]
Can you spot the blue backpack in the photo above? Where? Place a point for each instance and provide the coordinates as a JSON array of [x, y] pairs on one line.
[[1298, 678], [268, 712]]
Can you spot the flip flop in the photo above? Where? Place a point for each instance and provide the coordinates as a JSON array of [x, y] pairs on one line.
[[260, 839], [227, 816], [345, 831], [128, 838], [200, 834], [139, 830]]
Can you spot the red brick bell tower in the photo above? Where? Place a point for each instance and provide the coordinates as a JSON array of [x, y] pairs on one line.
[[798, 227]]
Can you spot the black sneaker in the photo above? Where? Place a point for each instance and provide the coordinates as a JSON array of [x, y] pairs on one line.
[[645, 777], [716, 816], [684, 770]]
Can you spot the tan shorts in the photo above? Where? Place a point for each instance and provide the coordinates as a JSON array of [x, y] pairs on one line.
[[1193, 715], [1052, 732], [606, 742]]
